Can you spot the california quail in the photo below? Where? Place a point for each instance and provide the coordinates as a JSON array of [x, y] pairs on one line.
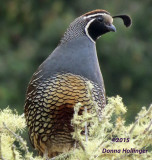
[[61, 81]]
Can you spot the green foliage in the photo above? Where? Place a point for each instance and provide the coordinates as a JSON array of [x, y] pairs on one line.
[[11, 126], [101, 133], [98, 134]]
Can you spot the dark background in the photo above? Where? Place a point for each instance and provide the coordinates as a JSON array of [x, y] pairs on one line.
[[30, 30]]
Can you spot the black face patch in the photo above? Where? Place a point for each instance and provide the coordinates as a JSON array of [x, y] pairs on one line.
[[97, 28]]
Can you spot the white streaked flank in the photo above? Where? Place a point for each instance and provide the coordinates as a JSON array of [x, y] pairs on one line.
[[37, 72], [31, 92], [37, 78]]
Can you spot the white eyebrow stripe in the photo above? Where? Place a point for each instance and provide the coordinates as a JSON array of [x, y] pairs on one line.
[[94, 15], [86, 30]]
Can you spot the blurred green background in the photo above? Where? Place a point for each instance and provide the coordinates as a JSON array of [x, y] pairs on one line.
[[30, 30]]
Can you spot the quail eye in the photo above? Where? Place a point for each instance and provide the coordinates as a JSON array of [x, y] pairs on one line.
[[100, 19]]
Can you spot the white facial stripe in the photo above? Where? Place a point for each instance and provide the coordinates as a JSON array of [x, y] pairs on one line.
[[106, 17], [86, 30], [94, 15]]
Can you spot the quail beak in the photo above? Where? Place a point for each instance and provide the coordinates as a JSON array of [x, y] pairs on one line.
[[111, 27]]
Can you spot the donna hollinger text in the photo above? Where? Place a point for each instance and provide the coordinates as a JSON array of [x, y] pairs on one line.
[[124, 150]]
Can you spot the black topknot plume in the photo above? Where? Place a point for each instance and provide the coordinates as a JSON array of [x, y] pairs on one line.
[[126, 19]]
